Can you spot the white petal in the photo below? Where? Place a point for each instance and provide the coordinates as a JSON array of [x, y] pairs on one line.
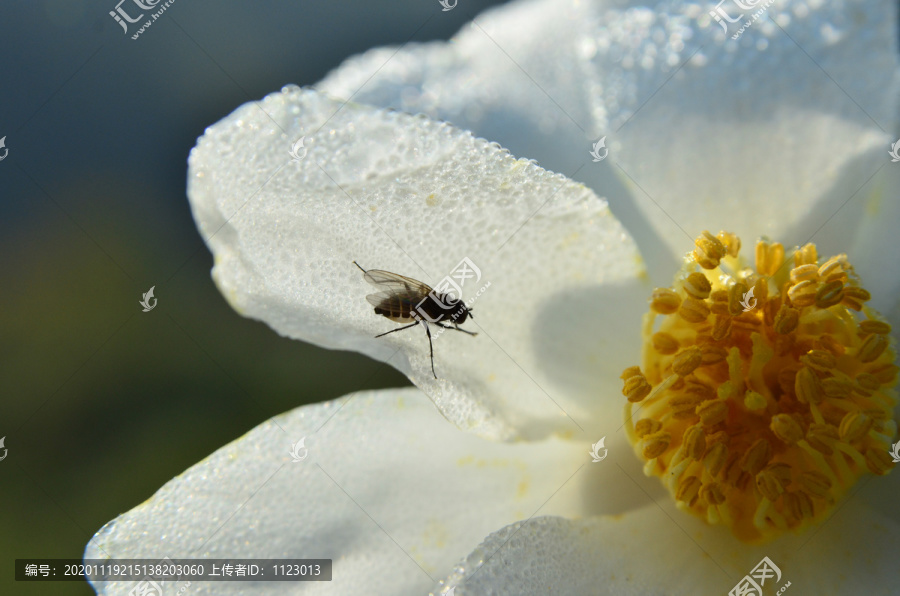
[[514, 75], [767, 135], [552, 555], [646, 553], [509, 76], [770, 134], [874, 251], [388, 490], [416, 197]]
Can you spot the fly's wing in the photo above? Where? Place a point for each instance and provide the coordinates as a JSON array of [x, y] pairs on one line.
[[392, 282], [399, 295]]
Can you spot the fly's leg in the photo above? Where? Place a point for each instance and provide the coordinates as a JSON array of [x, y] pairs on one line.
[[427, 331], [430, 348], [457, 328], [398, 329]]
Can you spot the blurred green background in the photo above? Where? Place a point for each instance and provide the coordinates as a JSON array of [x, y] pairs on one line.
[[101, 403]]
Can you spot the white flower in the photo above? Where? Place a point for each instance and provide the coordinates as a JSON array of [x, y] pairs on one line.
[[783, 133]]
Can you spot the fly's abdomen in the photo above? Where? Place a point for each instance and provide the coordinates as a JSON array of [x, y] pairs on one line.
[[394, 308]]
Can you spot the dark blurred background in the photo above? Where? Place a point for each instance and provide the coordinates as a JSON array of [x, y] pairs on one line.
[[101, 403]]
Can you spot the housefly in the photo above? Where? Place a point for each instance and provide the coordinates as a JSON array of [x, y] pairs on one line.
[[402, 299]]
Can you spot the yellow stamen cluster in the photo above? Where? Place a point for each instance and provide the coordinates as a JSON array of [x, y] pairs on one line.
[[760, 410]]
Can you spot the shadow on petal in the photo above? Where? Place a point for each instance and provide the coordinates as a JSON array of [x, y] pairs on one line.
[[585, 337], [617, 484]]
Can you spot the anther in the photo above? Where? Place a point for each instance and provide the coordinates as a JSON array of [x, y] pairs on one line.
[[872, 348], [731, 242], [769, 258], [854, 426], [655, 444], [829, 294], [786, 428], [822, 437], [757, 456], [854, 297], [693, 310], [806, 255], [709, 250], [798, 505], [871, 326], [736, 295], [636, 386], [664, 301], [646, 426], [712, 493], [687, 361], [694, 442], [804, 273], [803, 293], [712, 412], [688, 490], [879, 461], [786, 320], [697, 285], [816, 483]]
